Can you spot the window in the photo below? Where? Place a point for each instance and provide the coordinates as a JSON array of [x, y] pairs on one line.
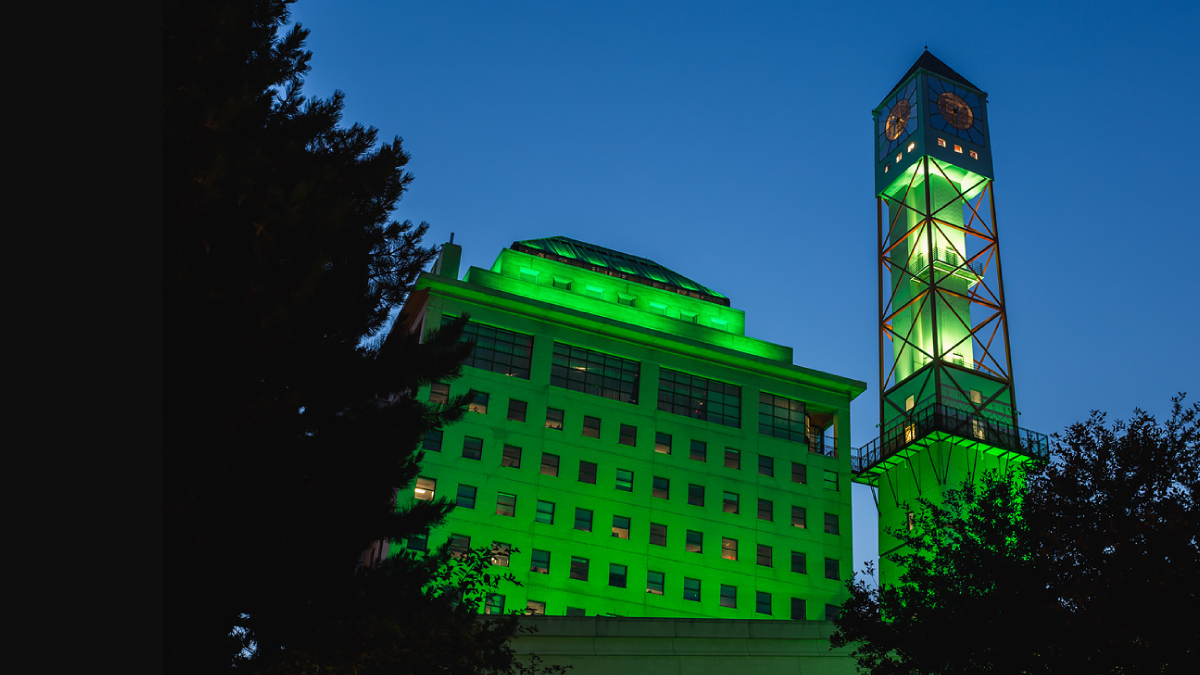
[[766, 466], [466, 497], [941, 142], [575, 611], [762, 603], [479, 403], [695, 495], [425, 489], [417, 542], [974, 155], [498, 350], [797, 609], [494, 604], [549, 464], [554, 419], [831, 569], [958, 149], [831, 480], [559, 282], [545, 512], [540, 562], [799, 517], [459, 544], [593, 292], [691, 589], [432, 441], [472, 448], [799, 473], [832, 611], [501, 553], [587, 472], [730, 502], [781, 417], [506, 505], [620, 528], [699, 450], [662, 487], [728, 548], [511, 457], [595, 373], [655, 582], [910, 402], [658, 534], [799, 562], [733, 458], [628, 435], [764, 555], [583, 519], [912, 146], [624, 480], [535, 607], [766, 509], [662, 443], [579, 568], [439, 393], [623, 299], [695, 542], [700, 398], [831, 523], [616, 575], [912, 521], [591, 426], [516, 410], [729, 596]]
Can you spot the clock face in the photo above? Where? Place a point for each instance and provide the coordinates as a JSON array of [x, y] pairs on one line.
[[898, 119], [956, 111]]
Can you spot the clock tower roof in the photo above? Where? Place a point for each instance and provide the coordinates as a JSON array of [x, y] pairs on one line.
[[934, 65]]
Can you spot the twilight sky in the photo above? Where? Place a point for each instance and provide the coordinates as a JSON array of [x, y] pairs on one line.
[[732, 142]]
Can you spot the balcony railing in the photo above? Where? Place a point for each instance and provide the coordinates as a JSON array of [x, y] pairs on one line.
[[950, 260], [939, 417], [822, 444]]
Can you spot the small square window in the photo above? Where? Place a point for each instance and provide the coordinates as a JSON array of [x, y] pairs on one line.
[[593, 292], [466, 497], [516, 410], [762, 603], [958, 149], [620, 528], [733, 458], [575, 611], [658, 534], [912, 146], [583, 519], [472, 448], [655, 582], [501, 553], [799, 562], [494, 604], [623, 299], [545, 512], [899, 156], [662, 487], [799, 517], [729, 596], [432, 441], [910, 402], [540, 562], [974, 155], [691, 589], [662, 443], [549, 464], [941, 142], [535, 607], [628, 435], [696, 495], [730, 503], [728, 548], [460, 544], [886, 167], [564, 284], [554, 419], [798, 609], [617, 574], [699, 451], [831, 524], [695, 542], [766, 509], [417, 542], [766, 466], [579, 568], [591, 426], [512, 457], [799, 473], [832, 612], [529, 275], [587, 472], [439, 393], [479, 404], [624, 480], [764, 556], [831, 569], [425, 489], [506, 505], [831, 480], [687, 317]]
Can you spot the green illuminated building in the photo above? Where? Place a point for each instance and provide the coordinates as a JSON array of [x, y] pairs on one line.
[[948, 408], [636, 452]]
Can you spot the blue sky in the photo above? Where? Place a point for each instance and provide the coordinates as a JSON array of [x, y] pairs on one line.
[[732, 142]]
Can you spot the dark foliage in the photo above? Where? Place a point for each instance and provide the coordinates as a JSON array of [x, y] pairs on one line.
[[1090, 564]]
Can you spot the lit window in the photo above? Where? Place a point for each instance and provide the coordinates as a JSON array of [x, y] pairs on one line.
[[729, 503], [831, 569], [910, 403], [941, 142], [620, 528], [974, 155], [694, 542], [460, 544], [662, 487], [516, 410], [899, 156], [549, 464], [728, 548], [662, 443], [886, 167], [591, 426], [554, 419], [958, 149], [799, 473], [479, 403], [579, 568], [831, 524], [624, 480], [733, 458], [506, 505], [535, 607], [766, 466], [439, 393], [979, 428], [587, 472], [911, 146], [799, 517], [691, 589], [655, 582], [729, 596], [764, 555], [799, 562], [595, 373], [831, 481], [425, 489], [540, 562], [616, 575], [494, 604], [432, 441], [658, 534], [512, 457], [976, 397], [472, 448], [466, 497], [912, 521], [762, 603], [583, 519], [797, 609], [545, 512], [766, 509], [695, 495], [501, 553], [699, 451], [628, 435]]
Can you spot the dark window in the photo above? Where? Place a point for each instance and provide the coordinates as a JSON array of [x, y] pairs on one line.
[[516, 410], [597, 373], [764, 555], [498, 350], [662, 443], [729, 596], [554, 419], [417, 542], [501, 553], [466, 497], [733, 458], [799, 473], [540, 562], [699, 450], [575, 611], [583, 519], [799, 562], [479, 404], [439, 393], [620, 528], [798, 609], [662, 487], [494, 604], [799, 517], [506, 505], [691, 589], [624, 480], [832, 612], [579, 568], [781, 417], [655, 582], [472, 448], [766, 466], [591, 426], [695, 494], [831, 480], [587, 472], [766, 509], [762, 602], [549, 464], [730, 502], [545, 512], [460, 544], [433, 441], [831, 569], [425, 489], [616, 575], [695, 542], [512, 457], [831, 524], [699, 397], [728, 548], [628, 435], [658, 534]]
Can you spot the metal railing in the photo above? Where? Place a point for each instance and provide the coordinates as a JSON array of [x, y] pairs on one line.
[[948, 257], [822, 444]]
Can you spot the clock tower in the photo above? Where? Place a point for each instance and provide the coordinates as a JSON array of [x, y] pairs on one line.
[[947, 406]]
